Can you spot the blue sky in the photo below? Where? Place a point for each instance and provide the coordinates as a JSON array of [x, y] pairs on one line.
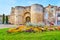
[[5, 5]]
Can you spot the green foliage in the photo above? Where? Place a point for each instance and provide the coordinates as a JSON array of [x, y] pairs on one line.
[[41, 24], [35, 24], [3, 18], [6, 19], [29, 24]]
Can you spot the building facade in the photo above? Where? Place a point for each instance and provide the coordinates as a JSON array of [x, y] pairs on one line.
[[1, 19], [35, 13]]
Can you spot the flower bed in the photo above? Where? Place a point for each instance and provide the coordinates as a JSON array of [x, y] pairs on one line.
[[34, 28]]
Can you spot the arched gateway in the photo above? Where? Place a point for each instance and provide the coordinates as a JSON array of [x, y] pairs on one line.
[[27, 17]]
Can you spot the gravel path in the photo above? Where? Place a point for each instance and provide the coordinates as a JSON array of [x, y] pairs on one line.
[[7, 26]]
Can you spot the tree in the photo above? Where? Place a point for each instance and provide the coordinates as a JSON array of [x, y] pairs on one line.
[[3, 19], [6, 19]]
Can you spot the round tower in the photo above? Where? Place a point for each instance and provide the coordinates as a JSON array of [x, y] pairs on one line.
[[19, 11], [36, 13]]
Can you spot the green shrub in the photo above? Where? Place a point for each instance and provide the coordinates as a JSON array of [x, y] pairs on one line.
[[35, 24], [41, 24], [29, 24]]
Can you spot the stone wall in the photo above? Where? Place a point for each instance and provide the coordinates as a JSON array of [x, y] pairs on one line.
[[36, 13]]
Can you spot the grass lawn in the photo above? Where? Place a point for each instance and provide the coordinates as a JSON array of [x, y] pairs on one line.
[[51, 35]]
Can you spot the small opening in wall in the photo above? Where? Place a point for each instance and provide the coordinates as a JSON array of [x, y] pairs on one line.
[[28, 19]]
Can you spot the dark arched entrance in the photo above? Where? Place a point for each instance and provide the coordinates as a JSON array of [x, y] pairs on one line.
[[28, 19]]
